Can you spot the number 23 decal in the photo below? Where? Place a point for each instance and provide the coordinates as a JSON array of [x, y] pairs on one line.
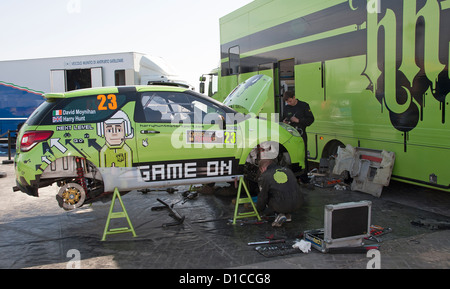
[[107, 102], [230, 137]]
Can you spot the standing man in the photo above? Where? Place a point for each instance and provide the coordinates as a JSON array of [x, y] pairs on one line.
[[298, 114]]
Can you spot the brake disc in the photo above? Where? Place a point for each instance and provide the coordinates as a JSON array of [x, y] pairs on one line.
[[72, 195]]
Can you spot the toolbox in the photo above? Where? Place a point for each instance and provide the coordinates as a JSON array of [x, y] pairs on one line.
[[345, 225]]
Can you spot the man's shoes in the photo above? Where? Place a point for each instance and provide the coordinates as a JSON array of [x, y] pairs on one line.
[[279, 220], [288, 218]]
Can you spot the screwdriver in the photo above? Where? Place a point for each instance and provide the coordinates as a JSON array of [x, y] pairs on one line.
[[266, 242]]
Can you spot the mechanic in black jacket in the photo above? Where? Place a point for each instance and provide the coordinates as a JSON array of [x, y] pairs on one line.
[[278, 191], [298, 114]]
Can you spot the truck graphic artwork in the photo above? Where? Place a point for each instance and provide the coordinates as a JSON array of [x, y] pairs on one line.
[[404, 62], [375, 73]]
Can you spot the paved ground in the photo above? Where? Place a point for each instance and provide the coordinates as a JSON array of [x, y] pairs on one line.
[[36, 233]]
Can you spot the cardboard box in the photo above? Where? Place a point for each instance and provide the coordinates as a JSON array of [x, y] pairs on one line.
[[346, 225]]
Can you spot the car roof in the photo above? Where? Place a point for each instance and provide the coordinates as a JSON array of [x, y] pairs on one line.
[[114, 89]]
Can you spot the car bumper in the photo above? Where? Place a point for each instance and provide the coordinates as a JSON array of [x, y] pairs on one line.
[[29, 190]]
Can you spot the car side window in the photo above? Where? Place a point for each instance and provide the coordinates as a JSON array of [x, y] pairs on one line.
[[153, 106], [175, 107]]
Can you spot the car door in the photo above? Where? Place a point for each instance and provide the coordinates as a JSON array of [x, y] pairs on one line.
[[180, 136]]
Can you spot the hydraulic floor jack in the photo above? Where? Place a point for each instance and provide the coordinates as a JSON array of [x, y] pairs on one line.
[[172, 213]]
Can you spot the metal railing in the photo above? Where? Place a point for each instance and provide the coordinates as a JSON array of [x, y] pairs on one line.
[[9, 132]]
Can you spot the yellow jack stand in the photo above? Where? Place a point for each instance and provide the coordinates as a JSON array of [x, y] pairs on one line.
[[244, 201], [115, 215]]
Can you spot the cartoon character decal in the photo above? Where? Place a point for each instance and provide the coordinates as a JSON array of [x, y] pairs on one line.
[[115, 130]]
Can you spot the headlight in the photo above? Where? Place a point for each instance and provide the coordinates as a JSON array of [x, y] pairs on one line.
[[290, 129]]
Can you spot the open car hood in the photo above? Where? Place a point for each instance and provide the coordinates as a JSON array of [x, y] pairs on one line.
[[251, 95]]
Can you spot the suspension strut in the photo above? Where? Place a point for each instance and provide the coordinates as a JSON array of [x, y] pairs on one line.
[[80, 173]]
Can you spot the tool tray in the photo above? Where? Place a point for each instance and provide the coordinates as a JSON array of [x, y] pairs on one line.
[[275, 250]]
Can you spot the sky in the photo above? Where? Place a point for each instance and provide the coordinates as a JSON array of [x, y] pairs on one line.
[[185, 33]]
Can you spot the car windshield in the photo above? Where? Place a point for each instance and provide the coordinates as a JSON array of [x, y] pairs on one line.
[[236, 115], [226, 108]]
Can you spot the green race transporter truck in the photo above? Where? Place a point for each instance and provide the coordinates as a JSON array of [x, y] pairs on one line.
[[374, 72]]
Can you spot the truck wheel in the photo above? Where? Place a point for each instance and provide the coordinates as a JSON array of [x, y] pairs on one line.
[[331, 149]]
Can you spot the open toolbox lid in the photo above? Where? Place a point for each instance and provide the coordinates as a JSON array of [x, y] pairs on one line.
[[346, 225], [347, 221]]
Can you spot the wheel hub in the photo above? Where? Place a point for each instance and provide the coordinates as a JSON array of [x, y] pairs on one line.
[[72, 195]]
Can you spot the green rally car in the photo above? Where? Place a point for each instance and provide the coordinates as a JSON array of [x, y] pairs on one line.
[[92, 141]]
